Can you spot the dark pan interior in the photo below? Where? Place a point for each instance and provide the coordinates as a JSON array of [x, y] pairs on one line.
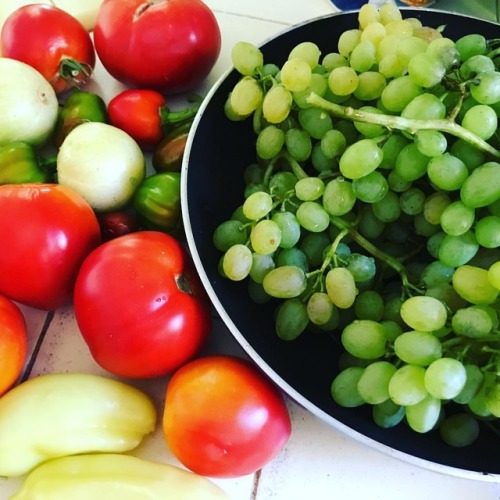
[[219, 152]]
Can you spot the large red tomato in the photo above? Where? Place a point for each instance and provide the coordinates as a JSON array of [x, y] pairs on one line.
[[51, 41], [223, 417], [140, 306], [47, 230], [168, 45]]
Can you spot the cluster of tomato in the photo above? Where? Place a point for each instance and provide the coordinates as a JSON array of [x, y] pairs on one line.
[[137, 299]]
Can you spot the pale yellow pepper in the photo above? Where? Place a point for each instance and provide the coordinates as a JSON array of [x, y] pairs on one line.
[[115, 477], [62, 414]]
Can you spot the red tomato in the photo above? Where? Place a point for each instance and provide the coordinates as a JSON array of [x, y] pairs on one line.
[[47, 230], [51, 41], [168, 45], [13, 343], [223, 417], [140, 306], [137, 112]]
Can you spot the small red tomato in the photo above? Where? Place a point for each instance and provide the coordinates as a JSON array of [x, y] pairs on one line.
[[139, 305], [167, 45], [223, 417], [52, 41], [138, 112], [13, 343], [49, 231]]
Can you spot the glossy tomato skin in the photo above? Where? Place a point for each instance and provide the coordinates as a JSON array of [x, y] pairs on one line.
[[47, 230], [139, 305], [43, 36], [168, 45], [137, 112], [223, 418], [13, 343]]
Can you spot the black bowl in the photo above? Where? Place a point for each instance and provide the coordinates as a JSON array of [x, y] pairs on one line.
[[218, 151]]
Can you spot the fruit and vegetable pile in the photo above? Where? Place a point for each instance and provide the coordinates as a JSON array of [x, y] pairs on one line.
[[91, 217], [372, 213]]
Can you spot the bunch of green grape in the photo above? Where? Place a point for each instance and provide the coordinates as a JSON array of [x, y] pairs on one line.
[[372, 212]]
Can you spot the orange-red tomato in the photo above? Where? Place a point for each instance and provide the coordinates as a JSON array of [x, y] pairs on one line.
[[223, 417], [13, 343]]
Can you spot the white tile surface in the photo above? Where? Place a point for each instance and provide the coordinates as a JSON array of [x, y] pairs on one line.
[[317, 463]]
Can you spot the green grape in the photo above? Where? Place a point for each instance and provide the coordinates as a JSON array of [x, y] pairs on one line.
[[370, 85], [296, 74], [230, 113], [369, 304], [348, 130], [246, 96], [423, 416], [364, 339], [423, 227], [239, 216], [312, 216], [417, 348], [481, 187], [445, 50], [289, 227], [388, 414], [487, 231], [494, 275], [431, 142], [436, 273], [360, 159], [411, 164], [362, 267], [455, 251], [370, 130], [434, 206], [320, 162], [481, 120], [423, 313], [237, 262], [347, 41], [399, 92], [472, 321], [229, 233], [412, 201], [389, 66], [340, 287], [402, 28], [409, 47], [368, 13], [343, 80], [269, 142], [257, 205], [426, 70], [256, 292], [387, 209], [469, 154], [285, 282], [475, 65], [473, 284], [447, 172], [333, 143], [478, 404], [459, 430], [309, 188], [269, 70], [298, 144], [265, 236], [313, 245], [320, 308], [392, 329], [371, 188], [292, 257], [492, 397], [425, 107], [473, 382], [391, 148], [389, 13], [457, 219], [344, 388], [276, 104], [291, 319], [261, 265], [470, 45], [333, 60], [282, 184], [363, 56], [445, 378], [369, 226], [318, 85], [407, 386], [373, 385], [373, 32], [339, 197], [315, 121], [485, 88], [308, 51], [246, 58]]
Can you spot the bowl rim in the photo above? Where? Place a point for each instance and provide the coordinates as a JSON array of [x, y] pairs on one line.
[[282, 384]]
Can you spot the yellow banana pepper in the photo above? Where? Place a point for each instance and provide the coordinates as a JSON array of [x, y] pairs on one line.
[[114, 477], [62, 414]]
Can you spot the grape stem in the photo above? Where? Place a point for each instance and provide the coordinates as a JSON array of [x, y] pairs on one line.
[[401, 123]]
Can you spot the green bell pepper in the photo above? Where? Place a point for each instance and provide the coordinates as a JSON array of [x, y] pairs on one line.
[[55, 415], [157, 201], [168, 155], [109, 476], [79, 107], [19, 163]]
